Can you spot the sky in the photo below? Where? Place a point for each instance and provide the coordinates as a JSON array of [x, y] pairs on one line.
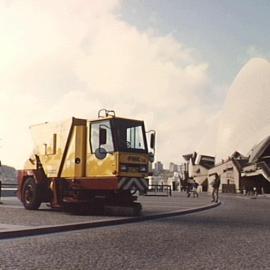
[[169, 63]]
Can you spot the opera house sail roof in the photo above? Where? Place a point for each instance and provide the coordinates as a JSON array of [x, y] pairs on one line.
[[245, 117], [259, 150]]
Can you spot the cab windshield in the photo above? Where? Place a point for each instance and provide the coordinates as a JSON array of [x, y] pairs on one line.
[[129, 136]]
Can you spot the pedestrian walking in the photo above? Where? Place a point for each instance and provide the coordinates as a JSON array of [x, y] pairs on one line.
[[215, 185], [189, 186], [194, 190], [255, 191]]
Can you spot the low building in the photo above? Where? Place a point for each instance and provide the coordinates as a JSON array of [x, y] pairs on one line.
[[230, 173], [246, 174], [238, 173], [163, 178], [256, 173], [196, 168], [200, 170]]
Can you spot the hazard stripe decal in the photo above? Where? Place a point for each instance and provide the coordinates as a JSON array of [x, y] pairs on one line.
[[133, 183]]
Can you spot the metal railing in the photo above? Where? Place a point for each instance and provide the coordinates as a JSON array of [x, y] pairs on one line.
[[159, 190]]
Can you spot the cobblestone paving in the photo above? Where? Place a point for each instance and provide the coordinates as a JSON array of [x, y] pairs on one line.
[[234, 235], [13, 213]]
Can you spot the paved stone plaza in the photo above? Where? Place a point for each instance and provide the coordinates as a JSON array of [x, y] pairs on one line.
[[13, 213], [234, 235]]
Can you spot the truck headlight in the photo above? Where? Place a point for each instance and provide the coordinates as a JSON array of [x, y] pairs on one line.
[[123, 168], [143, 168]]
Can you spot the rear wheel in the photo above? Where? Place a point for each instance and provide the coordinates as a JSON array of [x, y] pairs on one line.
[[31, 194]]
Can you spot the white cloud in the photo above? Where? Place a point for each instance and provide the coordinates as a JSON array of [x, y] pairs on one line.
[[63, 58]]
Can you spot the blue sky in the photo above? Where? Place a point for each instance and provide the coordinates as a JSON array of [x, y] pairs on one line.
[[170, 63], [224, 33]]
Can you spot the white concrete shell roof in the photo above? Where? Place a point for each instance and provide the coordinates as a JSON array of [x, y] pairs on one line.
[[245, 119], [257, 151]]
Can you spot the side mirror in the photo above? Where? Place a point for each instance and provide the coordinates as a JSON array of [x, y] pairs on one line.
[[102, 136], [152, 140], [151, 157]]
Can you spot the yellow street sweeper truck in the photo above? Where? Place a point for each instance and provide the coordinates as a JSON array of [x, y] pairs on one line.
[[98, 163]]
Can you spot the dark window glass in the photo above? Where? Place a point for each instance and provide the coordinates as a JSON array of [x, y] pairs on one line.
[[129, 136]]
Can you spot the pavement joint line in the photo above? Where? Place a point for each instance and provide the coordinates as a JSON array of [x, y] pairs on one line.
[[39, 230]]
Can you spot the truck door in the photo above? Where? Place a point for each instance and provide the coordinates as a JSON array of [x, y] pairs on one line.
[[101, 159]]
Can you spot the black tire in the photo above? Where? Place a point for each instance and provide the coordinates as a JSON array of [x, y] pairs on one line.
[[31, 194]]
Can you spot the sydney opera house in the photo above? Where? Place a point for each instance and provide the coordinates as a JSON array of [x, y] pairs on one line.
[[242, 139], [245, 119]]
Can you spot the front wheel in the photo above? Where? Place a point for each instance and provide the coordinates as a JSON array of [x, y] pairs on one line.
[[31, 194]]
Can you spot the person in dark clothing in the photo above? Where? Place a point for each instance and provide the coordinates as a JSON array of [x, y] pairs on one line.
[[215, 185], [194, 189], [189, 186]]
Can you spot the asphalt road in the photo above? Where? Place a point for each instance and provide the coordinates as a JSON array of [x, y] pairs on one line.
[[13, 213], [234, 235]]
